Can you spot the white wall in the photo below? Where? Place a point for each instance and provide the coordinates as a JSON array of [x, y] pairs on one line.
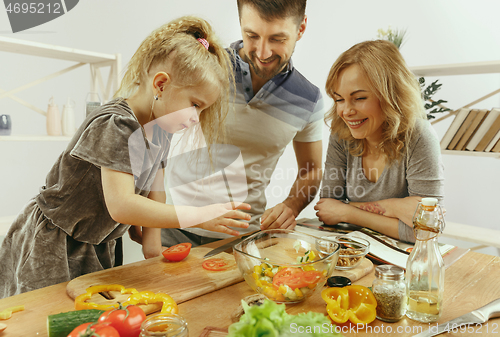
[[438, 32]]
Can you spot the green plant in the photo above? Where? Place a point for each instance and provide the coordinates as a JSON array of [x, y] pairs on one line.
[[428, 92], [395, 36], [433, 106]]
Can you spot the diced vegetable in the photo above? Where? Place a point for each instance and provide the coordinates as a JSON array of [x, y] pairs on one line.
[[287, 283], [60, 325], [7, 313]]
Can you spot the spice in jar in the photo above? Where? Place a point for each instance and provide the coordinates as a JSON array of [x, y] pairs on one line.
[[389, 289], [164, 325]]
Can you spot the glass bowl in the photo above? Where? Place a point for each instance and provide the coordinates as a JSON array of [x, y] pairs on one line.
[[352, 250], [284, 265]]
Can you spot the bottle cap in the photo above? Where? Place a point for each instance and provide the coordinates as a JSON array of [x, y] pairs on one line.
[[389, 272], [338, 281], [429, 201], [69, 103], [51, 101]]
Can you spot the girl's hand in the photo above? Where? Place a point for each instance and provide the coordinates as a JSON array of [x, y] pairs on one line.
[[221, 223], [331, 211]]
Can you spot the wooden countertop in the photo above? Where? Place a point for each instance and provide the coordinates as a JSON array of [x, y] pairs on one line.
[[471, 283]]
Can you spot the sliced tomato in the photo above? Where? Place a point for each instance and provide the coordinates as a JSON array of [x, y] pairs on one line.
[[296, 278], [285, 274], [312, 277], [215, 264], [178, 252]]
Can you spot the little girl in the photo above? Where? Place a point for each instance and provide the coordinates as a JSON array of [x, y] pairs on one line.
[[110, 176]]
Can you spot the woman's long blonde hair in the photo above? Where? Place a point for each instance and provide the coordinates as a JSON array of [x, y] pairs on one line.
[[394, 85], [191, 64]]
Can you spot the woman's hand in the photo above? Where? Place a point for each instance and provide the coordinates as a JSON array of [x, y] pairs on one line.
[[403, 208], [331, 211], [221, 223]]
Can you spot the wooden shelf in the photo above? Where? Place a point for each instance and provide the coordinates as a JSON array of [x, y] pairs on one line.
[[458, 69], [472, 153], [473, 68], [44, 138], [46, 50]]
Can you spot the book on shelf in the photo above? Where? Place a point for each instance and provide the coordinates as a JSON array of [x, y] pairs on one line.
[[460, 132], [493, 141], [383, 249], [496, 148], [471, 130], [454, 126], [485, 132]]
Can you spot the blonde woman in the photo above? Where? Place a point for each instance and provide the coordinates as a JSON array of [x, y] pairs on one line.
[[110, 176], [383, 155]]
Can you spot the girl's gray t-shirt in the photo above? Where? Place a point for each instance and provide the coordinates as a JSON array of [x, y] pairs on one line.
[[420, 173], [110, 137]]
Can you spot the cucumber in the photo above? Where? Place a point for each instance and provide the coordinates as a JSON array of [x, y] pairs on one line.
[[60, 325]]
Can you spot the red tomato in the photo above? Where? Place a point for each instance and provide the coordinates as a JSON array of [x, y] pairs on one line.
[[312, 276], [127, 321], [93, 329], [215, 264], [296, 278], [178, 252]]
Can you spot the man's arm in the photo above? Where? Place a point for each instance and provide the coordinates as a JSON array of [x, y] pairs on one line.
[[304, 189]]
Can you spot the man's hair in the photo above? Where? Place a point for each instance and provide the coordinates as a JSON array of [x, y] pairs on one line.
[[276, 9]]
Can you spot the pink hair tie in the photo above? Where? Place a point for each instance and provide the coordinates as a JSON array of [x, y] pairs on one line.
[[203, 42]]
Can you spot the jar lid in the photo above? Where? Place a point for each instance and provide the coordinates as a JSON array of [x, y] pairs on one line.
[[429, 201], [389, 272], [338, 281]]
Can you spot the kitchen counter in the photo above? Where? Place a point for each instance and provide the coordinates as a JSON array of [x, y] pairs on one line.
[[471, 282]]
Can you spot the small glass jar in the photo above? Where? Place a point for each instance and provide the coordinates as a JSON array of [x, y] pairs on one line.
[[389, 289], [164, 325]]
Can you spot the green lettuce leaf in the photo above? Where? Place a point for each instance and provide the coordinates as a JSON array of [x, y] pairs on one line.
[[271, 320]]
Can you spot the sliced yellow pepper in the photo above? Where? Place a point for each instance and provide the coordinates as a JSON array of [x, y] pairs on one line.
[[143, 297], [7, 313], [81, 300], [148, 297], [355, 303]]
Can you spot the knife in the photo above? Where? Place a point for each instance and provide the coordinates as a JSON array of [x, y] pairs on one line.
[[478, 316], [226, 246]]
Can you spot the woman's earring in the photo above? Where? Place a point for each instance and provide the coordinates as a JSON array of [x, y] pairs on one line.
[[156, 97]]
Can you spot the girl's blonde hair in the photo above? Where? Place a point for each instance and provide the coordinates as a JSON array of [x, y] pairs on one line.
[[191, 64], [394, 85]]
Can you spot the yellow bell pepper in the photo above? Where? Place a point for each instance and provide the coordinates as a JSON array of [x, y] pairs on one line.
[[147, 297], [7, 313], [143, 297], [355, 303], [81, 300]]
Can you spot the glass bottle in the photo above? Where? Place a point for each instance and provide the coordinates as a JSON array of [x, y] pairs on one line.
[[164, 325], [425, 265], [53, 119], [389, 289], [68, 119]]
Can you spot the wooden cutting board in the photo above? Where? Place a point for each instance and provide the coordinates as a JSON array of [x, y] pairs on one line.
[[182, 280], [364, 268]]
